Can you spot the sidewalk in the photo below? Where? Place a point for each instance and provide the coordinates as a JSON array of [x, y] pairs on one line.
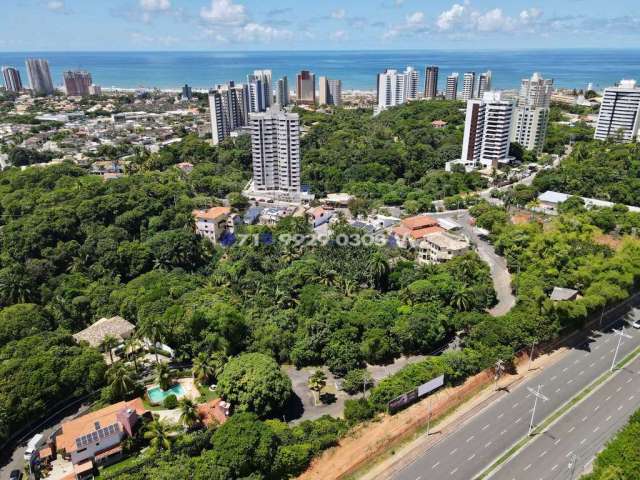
[[451, 407]]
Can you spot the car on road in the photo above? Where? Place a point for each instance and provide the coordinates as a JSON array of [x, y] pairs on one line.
[[15, 475], [635, 323]]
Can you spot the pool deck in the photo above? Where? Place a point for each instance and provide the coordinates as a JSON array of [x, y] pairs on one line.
[[188, 386]]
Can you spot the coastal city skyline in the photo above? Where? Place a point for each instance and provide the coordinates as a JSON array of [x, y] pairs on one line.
[[250, 24]]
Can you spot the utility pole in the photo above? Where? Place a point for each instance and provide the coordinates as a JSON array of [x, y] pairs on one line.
[[429, 417], [620, 334], [499, 369], [533, 345], [537, 395]]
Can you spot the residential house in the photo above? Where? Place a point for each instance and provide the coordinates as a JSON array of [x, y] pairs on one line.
[[95, 439], [319, 216], [413, 229], [441, 247], [212, 223], [116, 327], [215, 411], [438, 124], [549, 201], [560, 294], [185, 167]]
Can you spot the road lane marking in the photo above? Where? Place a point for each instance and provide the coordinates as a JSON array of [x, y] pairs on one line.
[[501, 415], [602, 357], [569, 454], [576, 361], [554, 467], [585, 418], [581, 372], [418, 477], [592, 365], [435, 465], [597, 408], [571, 429], [618, 389], [470, 438], [515, 405], [554, 377], [596, 429], [453, 471], [557, 441], [583, 441], [453, 451], [518, 420], [485, 427], [608, 398], [620, 408], [486, 445], [565, 369], [471, 457], [629, 380], [608, 418], [570, 382], [543, 454], [557, 390], [632, 397], [527, 467], [503, 432]]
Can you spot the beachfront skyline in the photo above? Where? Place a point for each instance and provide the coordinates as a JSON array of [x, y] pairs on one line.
[[73, 25]]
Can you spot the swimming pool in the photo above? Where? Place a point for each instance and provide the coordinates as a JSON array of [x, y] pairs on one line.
[[157, 395]]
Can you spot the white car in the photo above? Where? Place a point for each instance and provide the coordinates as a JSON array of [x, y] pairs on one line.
[[635, 324]]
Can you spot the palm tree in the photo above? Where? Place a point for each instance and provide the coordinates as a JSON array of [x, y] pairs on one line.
[[121, 380], [348, 287], [462, 298], [378, 269], [317, 382], [131, 345], [188, 413], [218, 361], [158, 435], [154, 331], [109, 343], [202, 368], [163, 376]]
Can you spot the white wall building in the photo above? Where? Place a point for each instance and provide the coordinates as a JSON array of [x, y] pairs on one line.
[[486, 132], [275, 142], [261, 90], [531, 116], [469, 85], [620, 112], [451, 93], [395, 88], [330, 92], [228, 109]]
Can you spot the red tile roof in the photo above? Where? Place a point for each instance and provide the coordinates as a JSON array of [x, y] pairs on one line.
[[213, 213], [419, 221]]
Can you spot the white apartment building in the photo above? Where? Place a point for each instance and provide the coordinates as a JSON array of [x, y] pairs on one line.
[[484, 83], [531, 116], [451, 93], [395, 88], [487, 131], [261, 90], [282, 92], [228, 106], [441, 247], [620, 112], [275, 146], [212, 223], [330, 92], [468, 86], [39, 76]]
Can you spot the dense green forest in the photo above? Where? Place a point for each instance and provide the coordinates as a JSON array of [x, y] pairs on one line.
[[620, 460], [396, 157], [602, 170], [75, 248]]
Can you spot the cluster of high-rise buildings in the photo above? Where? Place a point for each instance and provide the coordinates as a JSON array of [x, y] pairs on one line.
[[76, 83], [494, 121], [395, 88], [232, 104]]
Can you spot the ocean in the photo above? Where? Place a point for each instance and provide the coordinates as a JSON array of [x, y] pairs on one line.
[[573, 68]]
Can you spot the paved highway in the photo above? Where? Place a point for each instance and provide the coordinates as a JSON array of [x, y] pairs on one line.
[[466, 452], [568, 448]]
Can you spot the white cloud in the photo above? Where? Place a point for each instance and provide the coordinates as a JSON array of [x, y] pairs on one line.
[[493, 21], [263, 33], [339, 14], [224, 12], [416, 18], [464, 18], [55, 5], [141, 38], [339, 35], [449, 18], [155, 5]]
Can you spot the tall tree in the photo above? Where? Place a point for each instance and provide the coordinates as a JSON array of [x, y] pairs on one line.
[[317, 381]]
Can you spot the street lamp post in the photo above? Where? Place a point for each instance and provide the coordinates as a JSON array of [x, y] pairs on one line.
[[537, 395], [620, 334], [533, 345], [499, 369]]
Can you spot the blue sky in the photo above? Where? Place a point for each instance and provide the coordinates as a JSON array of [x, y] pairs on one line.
[[40, 25]]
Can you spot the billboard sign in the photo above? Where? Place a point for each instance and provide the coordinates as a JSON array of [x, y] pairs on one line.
[[430, 386]]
